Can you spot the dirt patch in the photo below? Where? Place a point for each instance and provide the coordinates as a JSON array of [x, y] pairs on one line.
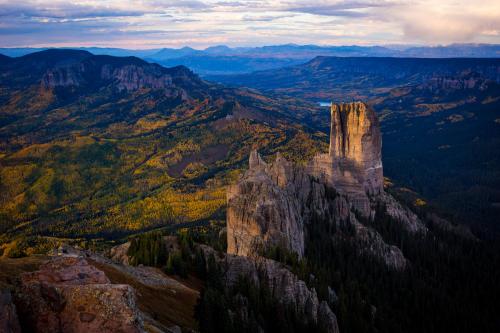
[[10, 269], [169, 305], [208, 155]]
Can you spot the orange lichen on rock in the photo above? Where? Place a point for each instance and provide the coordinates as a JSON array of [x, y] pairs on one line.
[[69, 295]]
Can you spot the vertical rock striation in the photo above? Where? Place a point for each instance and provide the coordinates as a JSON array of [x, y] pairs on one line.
[[353, 164], [263, 211], [356, 148], [272, 203]]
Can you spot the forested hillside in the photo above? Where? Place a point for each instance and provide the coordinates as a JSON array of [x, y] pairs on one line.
[[103, 146]]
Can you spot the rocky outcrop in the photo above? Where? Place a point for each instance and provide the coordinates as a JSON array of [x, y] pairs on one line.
[[69, 295], [273, 203], [440, 84], [353, 164], [326, 319], [284, 286], [9, 322], [368, 241], [356, 149], [404, 215], [132, 77], [263, 211], [119, 253]]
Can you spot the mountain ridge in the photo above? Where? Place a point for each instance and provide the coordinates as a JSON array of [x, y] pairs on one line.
[[138, 131], [221, 59]]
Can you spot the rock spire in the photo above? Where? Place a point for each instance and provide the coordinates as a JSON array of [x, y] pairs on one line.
[[272, 203], [353, 165]]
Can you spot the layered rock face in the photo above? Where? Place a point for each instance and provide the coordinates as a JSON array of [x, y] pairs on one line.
[[254, 220], [124, 74], [133, 77], [272, 203], [69, 295], [356, 148], [353, 164]]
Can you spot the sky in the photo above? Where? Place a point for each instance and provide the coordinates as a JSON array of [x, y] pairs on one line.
[[143, 24]]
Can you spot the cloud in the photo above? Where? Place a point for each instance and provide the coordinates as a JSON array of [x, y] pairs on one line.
[[339, 8], [246, 22], [264, 18], [63, 10], [456, 21], [91, 9]]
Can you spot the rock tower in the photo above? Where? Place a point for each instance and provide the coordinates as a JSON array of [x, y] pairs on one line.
[[353, 165], [272, 204]]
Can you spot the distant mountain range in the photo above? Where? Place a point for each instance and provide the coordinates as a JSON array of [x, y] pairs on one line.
[[348, 78], [217, 60]]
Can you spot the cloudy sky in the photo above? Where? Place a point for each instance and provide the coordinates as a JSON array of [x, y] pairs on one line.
[[197, 23]]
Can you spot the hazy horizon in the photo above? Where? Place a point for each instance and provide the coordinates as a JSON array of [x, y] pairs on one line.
[[152, 24], [200, 48]]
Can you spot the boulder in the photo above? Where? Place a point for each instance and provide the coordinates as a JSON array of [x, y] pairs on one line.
[[119, 254], [69, 295]]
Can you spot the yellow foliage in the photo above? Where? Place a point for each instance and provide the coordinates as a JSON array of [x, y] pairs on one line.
[[149, 124], [193, 170], [170, 206], [420, 202]]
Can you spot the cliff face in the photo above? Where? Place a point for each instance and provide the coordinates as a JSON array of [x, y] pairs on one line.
[[125, 74], [129, 77], [272, 204], [356, 148], [263, 210], [353, 164]]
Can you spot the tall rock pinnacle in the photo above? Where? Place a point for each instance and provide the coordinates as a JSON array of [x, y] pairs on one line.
[[273, 203], [356, 148], [353, 165], [266, 207]]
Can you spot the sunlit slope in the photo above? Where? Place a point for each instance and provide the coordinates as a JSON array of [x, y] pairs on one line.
[[104, 146]]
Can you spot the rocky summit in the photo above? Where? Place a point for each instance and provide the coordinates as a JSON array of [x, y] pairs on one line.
[[273, 204]]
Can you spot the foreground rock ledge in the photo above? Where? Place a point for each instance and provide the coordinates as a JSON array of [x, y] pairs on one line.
[[69, 295]]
